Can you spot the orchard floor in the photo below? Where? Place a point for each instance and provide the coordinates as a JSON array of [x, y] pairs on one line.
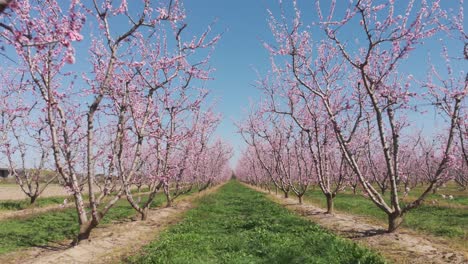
[[129, 241], [32, 211], [239, 225], [404, 246], [14, 192], [108, 243]]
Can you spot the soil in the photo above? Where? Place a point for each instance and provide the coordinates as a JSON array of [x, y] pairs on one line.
[[109, 243], [14, 192], [403, 246]]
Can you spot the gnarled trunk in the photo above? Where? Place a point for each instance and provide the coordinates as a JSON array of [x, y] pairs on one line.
[[394, 221], [85, 231]]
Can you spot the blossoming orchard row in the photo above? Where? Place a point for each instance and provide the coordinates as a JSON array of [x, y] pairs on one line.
[[119, 109], [349, 101]]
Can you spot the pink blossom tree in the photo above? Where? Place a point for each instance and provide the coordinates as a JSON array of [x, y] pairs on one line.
[[24, 140], [116, 101], [368, 75]]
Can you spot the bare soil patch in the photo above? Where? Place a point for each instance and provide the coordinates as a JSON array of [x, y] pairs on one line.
[[404, 246], [109, 243], [13, 192]]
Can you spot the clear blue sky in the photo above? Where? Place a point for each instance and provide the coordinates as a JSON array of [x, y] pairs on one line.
[[240, 52], [237, 56]]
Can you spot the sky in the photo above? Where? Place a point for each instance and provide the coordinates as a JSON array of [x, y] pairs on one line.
[[237, 57], [240, 55]]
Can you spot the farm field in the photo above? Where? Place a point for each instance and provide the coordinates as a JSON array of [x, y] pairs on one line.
[[447, 219], [176, 131], [239, 225], [13, 192], [48, 234], [39, 230], [404, 246]]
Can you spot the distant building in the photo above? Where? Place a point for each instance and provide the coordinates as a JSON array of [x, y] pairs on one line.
[[4, 173]]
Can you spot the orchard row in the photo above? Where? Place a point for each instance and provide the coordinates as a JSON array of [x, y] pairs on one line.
[[123, 108], [350, 102]]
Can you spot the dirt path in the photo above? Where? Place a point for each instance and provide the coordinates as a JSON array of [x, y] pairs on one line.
[[109, 243], [401, 247]]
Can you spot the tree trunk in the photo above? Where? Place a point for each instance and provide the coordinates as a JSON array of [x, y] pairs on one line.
[[168, 200], [300, 199], [286, 194], [394, 221], [144, 214], [382, 190], [85, 231], [167, 193], [33, 199], [80, 208], [330, 205]]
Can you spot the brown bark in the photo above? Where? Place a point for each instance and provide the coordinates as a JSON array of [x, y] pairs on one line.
[[169, 201], [330, 205], [85, 231], [300, 199], [394, 221], [32, 199], [144, 214]]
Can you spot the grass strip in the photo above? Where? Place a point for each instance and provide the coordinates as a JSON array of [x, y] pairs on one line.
[[54, 226], [239, 225], [435, 220], [17, 205]]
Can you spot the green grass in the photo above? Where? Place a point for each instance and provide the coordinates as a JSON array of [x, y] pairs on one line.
[[41, 229], [451, 188], [239, 225], [16, 205], [435, 220]]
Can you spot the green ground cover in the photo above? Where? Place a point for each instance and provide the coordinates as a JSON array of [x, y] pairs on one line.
[[16, 205], [54, 226], [239, 225], [439, 220]]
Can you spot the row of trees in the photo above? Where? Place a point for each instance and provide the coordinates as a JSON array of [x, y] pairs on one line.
[[118, 110], [343, 109]]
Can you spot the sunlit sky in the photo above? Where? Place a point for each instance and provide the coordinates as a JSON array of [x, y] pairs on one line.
[[240, 53], [239, 57]]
